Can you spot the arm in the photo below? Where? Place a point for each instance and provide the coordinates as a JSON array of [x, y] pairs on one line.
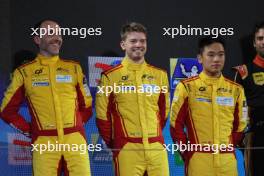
[[164, 101], [13, 98], [179, 113], [240, 118], [84, 96], [103, 111]]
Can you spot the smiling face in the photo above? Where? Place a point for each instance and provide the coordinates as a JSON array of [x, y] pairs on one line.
[[49, 45], [135, 46], [259, 42], [212, 58]]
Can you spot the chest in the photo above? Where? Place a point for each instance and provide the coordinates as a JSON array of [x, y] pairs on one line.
[[255, 76], [44, 79]]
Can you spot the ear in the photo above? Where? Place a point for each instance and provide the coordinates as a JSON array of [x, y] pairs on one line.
[[36, 40], [199, 56], [254, 43], [122, 44]]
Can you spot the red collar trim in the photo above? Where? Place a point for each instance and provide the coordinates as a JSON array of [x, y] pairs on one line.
[[259, 61]]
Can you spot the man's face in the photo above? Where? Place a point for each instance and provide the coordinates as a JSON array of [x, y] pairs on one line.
[[259, 42], [213, 59], [49, 45], [135, 45]]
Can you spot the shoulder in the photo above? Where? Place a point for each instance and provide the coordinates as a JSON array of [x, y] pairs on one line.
[[70, 61], [28, 64], [156, 68], [188, 83], [233, 83], [191, 79]]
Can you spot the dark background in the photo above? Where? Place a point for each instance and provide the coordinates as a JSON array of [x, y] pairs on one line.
[[17, 17]]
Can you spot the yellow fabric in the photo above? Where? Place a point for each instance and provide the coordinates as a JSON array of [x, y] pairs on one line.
[[134, 160], [50, 88], [202, 164], [58, 99], [211, 106], [47, 162], [138, 110], [138, 113]]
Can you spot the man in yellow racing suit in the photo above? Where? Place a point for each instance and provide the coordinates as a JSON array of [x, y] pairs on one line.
[[213, 110], [59, 103], [131, 117]]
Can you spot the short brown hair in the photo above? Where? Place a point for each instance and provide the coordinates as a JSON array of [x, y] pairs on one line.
[[132, 27]]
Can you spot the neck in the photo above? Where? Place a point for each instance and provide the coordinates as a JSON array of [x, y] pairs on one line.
[[139, 61], [213, 75], [46, 54]]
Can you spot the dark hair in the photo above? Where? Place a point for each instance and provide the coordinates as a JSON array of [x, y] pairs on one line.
[[39, 23], [203, 42], [257, 27], [132, 27]]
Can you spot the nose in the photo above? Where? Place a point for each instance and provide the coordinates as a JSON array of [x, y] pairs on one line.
[[57, 37], [138, 44], [217, 58]]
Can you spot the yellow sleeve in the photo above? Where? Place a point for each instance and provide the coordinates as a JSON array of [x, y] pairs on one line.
[[103, 104], [164, 100], [84, 95], [179, 112], [13, 98]]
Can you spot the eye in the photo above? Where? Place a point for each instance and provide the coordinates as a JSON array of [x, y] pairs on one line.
[[221, 54], [143, 40], [210, 55], [259, 38], [133, 41]]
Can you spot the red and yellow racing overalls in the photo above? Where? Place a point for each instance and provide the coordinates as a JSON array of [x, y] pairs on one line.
[[59, 103]]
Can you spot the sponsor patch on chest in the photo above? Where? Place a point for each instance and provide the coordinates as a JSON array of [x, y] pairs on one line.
[[204, 100], [225, 101], [63, 78], [40, 84], [258, 78]]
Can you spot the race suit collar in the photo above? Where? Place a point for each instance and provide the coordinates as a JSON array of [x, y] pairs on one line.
[[259, 61], [210, 80], [44, 60], [133, 66]]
